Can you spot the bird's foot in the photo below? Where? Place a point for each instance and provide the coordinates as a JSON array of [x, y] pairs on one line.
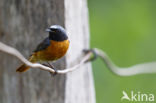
[[51, 66], [55, 73]]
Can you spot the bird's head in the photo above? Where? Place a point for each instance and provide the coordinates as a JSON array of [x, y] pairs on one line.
[[57, 33]]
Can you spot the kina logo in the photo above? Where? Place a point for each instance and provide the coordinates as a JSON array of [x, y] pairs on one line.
[[137, 96]]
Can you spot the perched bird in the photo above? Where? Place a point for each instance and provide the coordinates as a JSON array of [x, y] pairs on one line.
[[51, 48]]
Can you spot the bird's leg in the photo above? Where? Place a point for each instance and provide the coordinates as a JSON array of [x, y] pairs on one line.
[[46, 65], [51, 66]]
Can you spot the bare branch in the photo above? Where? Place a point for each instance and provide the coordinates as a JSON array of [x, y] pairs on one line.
[[17, 54], [129, 71]]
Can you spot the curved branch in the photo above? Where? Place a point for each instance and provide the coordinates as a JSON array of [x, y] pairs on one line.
[[127, 71], [9, 50]]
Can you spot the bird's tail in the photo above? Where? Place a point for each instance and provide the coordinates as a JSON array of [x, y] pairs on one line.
[[23, 67]]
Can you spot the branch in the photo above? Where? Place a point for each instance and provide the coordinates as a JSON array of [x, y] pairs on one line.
[[129, 71], [9, 50]]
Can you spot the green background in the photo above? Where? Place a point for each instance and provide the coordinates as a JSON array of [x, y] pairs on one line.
[[126, 31]]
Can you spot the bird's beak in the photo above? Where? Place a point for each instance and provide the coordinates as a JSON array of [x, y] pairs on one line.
[[48, 30]]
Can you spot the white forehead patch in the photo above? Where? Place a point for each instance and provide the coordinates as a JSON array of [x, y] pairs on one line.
[[57, 27], [54, 26]]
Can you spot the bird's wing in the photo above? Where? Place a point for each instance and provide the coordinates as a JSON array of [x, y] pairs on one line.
[[43, 45]]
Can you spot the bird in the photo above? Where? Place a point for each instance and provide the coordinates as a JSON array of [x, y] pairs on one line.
[[51, 48]]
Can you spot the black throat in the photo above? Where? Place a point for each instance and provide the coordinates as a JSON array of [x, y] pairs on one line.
[[57, 36]]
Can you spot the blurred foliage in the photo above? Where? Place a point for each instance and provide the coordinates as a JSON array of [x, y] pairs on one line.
[[126, 31]]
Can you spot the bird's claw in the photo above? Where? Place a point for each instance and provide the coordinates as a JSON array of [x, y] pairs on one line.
[[55, 70], [54, 73]]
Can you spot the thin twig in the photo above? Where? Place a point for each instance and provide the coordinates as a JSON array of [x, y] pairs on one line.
[[129, 71], [85, 58]]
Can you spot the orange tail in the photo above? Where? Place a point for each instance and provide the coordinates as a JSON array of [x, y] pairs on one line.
[[23, 67]]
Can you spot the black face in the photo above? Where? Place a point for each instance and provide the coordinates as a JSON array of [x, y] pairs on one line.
[[57, 33]]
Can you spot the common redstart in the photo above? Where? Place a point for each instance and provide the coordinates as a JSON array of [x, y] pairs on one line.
[[51, 48]]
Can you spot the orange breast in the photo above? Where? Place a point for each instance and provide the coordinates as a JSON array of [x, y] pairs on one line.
[[55, 51]]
